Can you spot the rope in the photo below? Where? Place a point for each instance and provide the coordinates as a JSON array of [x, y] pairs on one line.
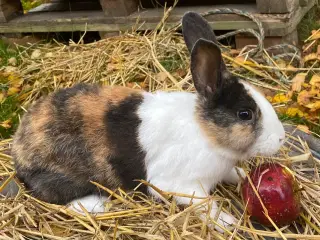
[[258, 51]]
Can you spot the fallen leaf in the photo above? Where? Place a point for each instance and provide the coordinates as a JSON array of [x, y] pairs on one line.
[[14, 80], [289, 94], [281, 63], [304, 128], [10, 69], [1, 97], [6, 124], [36, 54], [315, 80], [315, 35], [280, 98], [313, 106], [13, 90], [293, 112], [12, 61], [311, 56], [161, 76], [291, 68], [297, 81], [234, 51], [241, 60], [181, 72], [304, 97]]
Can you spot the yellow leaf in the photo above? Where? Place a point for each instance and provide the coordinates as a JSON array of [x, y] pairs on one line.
[[313, 106], [240, 60], [297, 81], [1, 97], [281, 63], [280, 98], [304, 128], [6, 124], [305, 85], [14, 80], [304, 97], [292, 112], [311, 56], [13, 90], [316, 35], [315, 80]]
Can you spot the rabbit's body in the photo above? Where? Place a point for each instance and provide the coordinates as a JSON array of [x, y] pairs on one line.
[[179, 142], [79, 134]]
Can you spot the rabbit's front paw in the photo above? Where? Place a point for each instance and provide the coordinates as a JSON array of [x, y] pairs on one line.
[[226, 220], [92, 203]]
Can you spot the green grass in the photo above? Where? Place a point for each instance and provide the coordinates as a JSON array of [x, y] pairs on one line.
[[9, 107], [9, 110], [6, 53], [172, 63], [29, 4], [311, 21]]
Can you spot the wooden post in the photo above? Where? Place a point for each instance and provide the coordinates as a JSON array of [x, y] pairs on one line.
[[277, 6], [243, 40], [113, 8], [9, 9], [303, 3]]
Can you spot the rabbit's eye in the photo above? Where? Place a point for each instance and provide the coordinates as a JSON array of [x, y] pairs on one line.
[[245, 114]]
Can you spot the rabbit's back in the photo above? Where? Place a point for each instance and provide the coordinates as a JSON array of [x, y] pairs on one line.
[[76, 135]]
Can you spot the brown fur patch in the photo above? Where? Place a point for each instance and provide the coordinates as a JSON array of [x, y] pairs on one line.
[[30, 135], [93, 108], [238, 137]]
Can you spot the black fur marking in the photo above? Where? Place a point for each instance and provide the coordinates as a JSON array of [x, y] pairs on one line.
[[223, 105], [69, 149], [51, 186], [122, 124]]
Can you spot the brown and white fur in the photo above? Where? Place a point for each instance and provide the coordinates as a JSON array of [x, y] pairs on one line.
[[179, 142]]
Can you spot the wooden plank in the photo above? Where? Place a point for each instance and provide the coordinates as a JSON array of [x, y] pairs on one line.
[[274, 25], [303, 3], [9, 9], [244, 40], [114, 8], [277, 6]]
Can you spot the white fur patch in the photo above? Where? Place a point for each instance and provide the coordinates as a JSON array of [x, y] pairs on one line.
[[272, 135], [179, 158], [92, 203]]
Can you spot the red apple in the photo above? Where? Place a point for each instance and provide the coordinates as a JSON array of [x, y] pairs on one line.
[[278, 191]]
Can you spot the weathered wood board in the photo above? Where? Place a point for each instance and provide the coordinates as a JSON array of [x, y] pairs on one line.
[[114, 8], [39, 21], [277, 6], [9, 9]]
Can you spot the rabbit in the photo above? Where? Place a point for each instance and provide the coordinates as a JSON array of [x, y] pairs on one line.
[[178, 141]]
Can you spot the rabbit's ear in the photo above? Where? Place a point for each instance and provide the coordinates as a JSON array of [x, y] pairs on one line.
[[206, 64], [195, 27]]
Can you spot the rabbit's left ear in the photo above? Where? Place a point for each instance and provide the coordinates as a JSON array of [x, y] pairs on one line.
[[195, 27], [206, 67]]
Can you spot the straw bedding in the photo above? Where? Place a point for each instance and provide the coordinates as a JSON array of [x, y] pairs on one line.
[[154, 61]]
